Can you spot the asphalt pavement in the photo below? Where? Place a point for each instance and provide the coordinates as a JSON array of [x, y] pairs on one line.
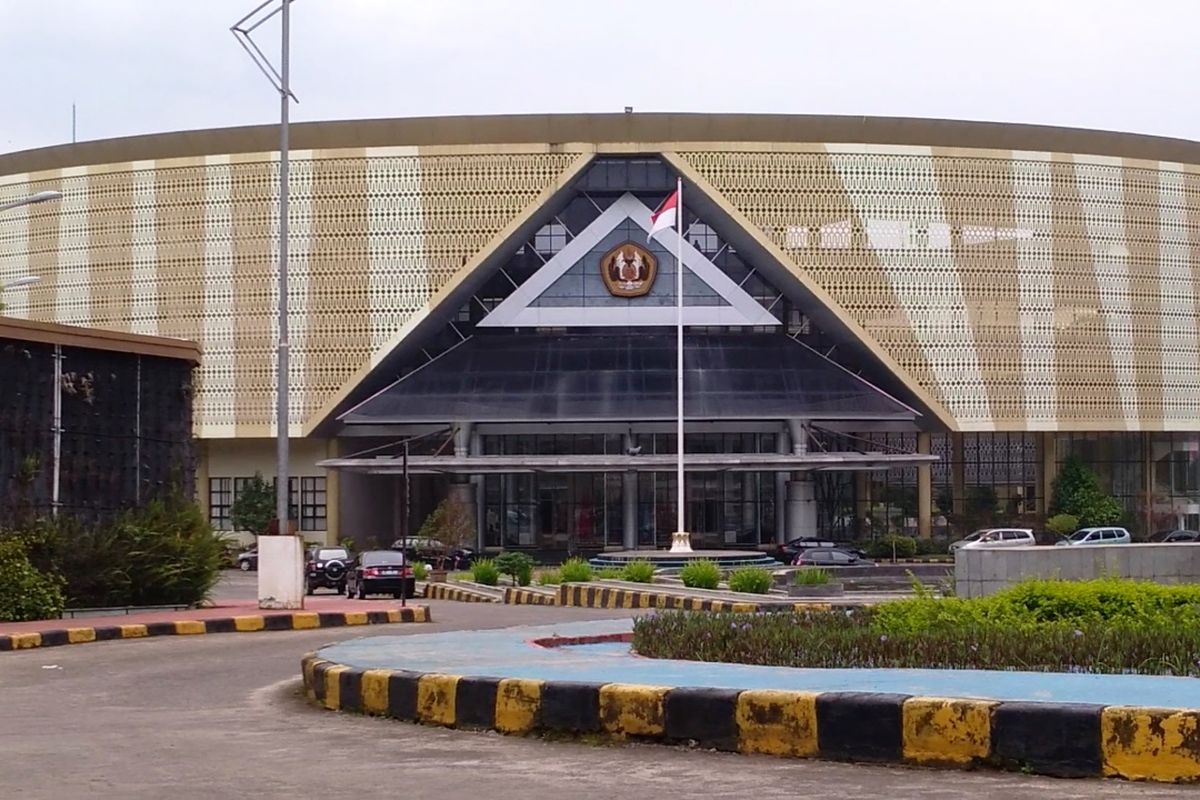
[[221, 717]]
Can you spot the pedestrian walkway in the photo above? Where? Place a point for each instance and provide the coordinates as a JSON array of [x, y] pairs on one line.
[[511, 653]]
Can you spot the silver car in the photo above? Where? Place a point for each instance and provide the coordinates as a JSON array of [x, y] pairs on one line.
[[1094, 536]]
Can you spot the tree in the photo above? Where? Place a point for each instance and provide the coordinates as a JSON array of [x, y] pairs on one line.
[[254, 507], [1077, 492], [452, 525]]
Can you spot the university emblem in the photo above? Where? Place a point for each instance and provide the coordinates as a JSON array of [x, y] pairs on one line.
[[628, 270]]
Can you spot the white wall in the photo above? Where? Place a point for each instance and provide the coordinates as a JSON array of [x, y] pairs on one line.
[[981, 572]]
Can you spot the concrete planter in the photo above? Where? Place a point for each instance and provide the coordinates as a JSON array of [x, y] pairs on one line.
[[437, 575], [816, 590]]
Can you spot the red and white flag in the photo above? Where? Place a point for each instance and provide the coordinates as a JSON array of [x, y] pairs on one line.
[[664, 216]]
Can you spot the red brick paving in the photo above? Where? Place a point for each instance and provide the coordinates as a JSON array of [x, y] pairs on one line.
[[227, 608]]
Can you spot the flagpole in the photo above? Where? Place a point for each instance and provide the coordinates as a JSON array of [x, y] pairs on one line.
[[682, 543]]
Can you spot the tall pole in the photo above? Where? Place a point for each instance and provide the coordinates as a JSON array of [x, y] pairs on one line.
[[682, 543], [404, 528], [282, 495]]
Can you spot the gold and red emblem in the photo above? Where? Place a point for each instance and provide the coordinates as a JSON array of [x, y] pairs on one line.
[[628, 270]]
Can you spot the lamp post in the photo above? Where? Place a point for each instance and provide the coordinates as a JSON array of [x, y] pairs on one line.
[[280, 587], [40, 197], [27, 280]]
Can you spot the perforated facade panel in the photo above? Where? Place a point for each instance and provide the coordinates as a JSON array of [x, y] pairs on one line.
[[1012, 289], [1019, 290]]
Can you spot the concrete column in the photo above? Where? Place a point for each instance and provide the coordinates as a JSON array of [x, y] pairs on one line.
[[629, 502], [783, 445], [476, 448], [798, 430], [958, 473], [1147, 483], [202, 478], [462, 439], [749, 506], [629, 486], [333, 485], [924, 490], [801, 506], [1049, 468]]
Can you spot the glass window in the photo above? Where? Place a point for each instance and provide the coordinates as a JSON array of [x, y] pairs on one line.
[[312, 504], [220, 500], [838, 557], [376, 557]]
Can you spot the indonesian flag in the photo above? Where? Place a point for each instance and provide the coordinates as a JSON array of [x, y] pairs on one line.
[[663, 217]]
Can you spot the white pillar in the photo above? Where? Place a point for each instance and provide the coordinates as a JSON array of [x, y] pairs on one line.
[[629, 486], [783, 446], [801, 506]]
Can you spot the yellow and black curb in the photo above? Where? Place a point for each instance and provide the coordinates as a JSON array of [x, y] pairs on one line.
[[461, 594], [529, 597], [1067, 740], [242, 624], [577, 594]]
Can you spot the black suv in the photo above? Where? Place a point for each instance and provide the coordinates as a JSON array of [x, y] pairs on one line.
[[326, 567]]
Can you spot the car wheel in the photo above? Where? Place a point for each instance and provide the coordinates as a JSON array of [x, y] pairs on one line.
[[244, 565]]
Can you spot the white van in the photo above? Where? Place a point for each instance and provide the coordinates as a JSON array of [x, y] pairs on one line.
[[1002, 537], [1091, 536]]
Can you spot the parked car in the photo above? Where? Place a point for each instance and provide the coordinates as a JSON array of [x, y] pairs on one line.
[[1180, 536], [326, 567], [1002, 537], [423, 548], [248, 560], [975, 536], [788, 551], [1094, 536], [381, 572], [830, 557]]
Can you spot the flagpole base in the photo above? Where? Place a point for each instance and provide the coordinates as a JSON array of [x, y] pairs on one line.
[[681, 542]]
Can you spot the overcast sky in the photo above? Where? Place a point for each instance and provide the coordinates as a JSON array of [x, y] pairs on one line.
[[143, 66]]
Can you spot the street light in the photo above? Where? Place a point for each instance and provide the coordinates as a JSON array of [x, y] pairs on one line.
[[27, 280], [40, 197], [286, 579]]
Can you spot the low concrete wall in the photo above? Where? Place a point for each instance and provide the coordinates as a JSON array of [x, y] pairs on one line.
[[981, 572]]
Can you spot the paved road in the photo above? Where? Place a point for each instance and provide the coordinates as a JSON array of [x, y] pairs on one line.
[[219, 717]]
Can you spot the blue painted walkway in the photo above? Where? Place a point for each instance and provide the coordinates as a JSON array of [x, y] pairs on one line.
[[508, 653]]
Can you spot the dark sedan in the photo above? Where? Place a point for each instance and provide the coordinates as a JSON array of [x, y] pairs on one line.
[[788, 551], [1180, 536], [381, 572]]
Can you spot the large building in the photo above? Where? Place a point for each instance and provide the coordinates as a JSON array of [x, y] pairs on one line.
[[893, 324]]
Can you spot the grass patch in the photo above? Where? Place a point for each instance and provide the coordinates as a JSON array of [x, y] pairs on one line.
[[549, 577], [700, 574], [810, 576], [751, 580], [1106, 626], [610, 573], [485, 571], [638, 572], [576, 570]]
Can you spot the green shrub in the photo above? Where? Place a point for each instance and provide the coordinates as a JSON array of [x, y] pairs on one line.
[[25, 592], [1062, 524], [1076, 491], [932, 547], [254, 508], [575, 570], [518, 566], [638, 572], [902, 546], [610, 573], [810, 576], [549, 577], [835, 639], [485, 571], [700, 574], [162, 554], [420, 570], [752, 580]]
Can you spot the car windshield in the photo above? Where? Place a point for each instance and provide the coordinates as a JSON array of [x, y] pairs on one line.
[[382, 557], [1079, 536], [332, 553], [973, 536]]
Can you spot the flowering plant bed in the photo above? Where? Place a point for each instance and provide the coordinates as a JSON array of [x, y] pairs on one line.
[[1045, 626]]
